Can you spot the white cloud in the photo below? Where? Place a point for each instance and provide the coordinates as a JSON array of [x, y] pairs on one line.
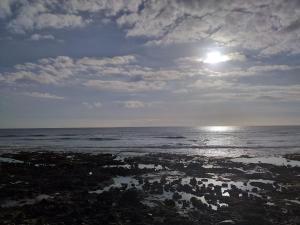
[[117, 60], [43, 95], [56, 70], [215, 84], [45, 71], [92, 105], [46, 20], [5, 8], [37, 37], [124, 86], [125, 74], [216, 90], [268, 26], [40, 15], [133, 104], [260, 25], [136, 104], [181, 91], [256, 70], [120, 73], [194, 66]]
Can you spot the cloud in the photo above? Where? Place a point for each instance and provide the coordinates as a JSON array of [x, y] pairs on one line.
[[92, 105], [136, 104], [256, 70], [5, 8], [119, 73], [44, 95], [231, 24], [59, 69], [37, 37], [236, 56], [37, 15], [194, 66], [133, 104], [45, 71], [124, 86], [46, 20], [223, 57], [125, 74], [40, 14], [117, 60], [215, 89], [215, 84]]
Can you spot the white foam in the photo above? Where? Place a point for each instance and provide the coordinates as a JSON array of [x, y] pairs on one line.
[[9, 160], [277, 161]]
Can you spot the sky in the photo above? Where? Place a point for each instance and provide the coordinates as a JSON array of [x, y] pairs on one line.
[[102, 63]]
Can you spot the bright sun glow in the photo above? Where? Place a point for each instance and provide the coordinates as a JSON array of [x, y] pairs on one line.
[[220, 128], [215, 57]]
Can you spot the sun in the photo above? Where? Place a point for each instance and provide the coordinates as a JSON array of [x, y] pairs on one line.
[[215, 57]]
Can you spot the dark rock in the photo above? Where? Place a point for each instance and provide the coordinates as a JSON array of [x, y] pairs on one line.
[[169, 203], [176, 196]]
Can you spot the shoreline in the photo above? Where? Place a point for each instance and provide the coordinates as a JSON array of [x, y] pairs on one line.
[[81, 188]]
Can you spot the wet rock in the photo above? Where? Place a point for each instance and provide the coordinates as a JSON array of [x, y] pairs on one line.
[[224, 184], [193, 181], [163, 179], [226, 222], [130, 197], [197, 203], [264, 186], [210, 185], [169, 203], [127, 204], [176, 196]]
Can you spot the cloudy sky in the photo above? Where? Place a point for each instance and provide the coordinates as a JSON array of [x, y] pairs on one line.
[[83, 63]]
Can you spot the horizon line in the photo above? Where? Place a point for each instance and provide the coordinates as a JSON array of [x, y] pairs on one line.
[[169, 126]]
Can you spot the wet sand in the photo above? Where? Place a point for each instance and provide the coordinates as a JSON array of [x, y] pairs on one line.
[[77, 188]]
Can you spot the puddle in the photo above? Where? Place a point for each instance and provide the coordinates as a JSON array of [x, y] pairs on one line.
[[277, 161], [211, 166], [9, 160], [28, 201], [150, 166], [292, 201], [140, 166], [119, 182], [126, 166]]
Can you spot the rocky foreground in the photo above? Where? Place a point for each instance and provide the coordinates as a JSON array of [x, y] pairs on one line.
[[77, 188]]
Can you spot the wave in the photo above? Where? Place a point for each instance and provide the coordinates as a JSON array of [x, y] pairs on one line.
[[103, 139], [69, 135], [37, 135], [9, 135], [66, 138], [47, 139], [17, 136], [191, 147], [172, 137]]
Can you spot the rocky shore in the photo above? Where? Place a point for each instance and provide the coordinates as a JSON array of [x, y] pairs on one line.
[[77, 188]]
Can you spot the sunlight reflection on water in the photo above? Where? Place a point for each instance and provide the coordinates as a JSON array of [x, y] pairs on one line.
[[219, 128]]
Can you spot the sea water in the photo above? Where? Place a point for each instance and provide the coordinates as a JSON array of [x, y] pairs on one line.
[[210, 141]]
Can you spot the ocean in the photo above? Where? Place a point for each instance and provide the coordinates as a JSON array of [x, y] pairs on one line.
[[209, 141]]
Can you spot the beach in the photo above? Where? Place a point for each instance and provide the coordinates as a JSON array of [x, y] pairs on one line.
[[46, 187], [149, 112]]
